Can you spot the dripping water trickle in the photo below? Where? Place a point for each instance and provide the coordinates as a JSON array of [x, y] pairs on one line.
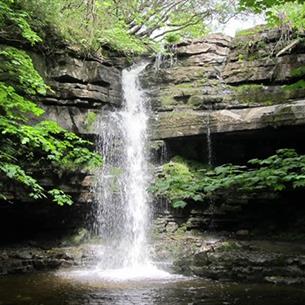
[[209, 137], [212, 208]]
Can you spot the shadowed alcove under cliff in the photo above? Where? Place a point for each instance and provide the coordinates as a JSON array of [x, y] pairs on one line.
[[238, 147]]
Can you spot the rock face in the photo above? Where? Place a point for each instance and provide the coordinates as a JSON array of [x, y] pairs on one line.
[[264, 57], [30, 259], [193, 123], [234, 240], [80, 89], [250, 261], [247, 95], [196, 71], [250, 82]]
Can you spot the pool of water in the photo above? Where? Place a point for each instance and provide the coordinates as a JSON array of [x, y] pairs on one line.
[[74, 289]]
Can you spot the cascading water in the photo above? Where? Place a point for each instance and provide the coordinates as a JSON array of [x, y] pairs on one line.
[[120, 191], [121, 217], [122, 201]]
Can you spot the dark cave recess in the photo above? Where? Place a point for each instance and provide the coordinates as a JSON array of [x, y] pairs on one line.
[[238, 147]]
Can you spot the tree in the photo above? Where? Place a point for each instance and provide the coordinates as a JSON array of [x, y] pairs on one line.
[[157, 18], [288, 15], [131, 26], [262, 5], [26, 145]]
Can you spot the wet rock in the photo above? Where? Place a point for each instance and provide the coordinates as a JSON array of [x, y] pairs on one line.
[[24, 254], [21, 260], [171, 227], [227, 259], [235, 82], [242, 233], [280, 280]]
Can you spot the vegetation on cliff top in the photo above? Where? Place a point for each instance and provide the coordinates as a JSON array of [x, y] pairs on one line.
[[128, 26], [138, 26], [182, 181], [289, 14], [27, 142]]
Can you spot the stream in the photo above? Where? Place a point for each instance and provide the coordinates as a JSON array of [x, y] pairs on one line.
[[56, 289]]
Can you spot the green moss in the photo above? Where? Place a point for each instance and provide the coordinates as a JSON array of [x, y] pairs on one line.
[[227, 246], [298, 72], [241, 57], [189, 85], [251, 31], [253, 57], [249, 94], [246, 89], [268, 95], [195, 100], [251, 48], [181, 230], [90, 120], [167, 100], [179, 94], [295, 86]]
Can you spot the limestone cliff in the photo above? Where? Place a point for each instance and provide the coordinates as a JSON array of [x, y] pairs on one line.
[[81, 87], [246, 83], [247, 90]]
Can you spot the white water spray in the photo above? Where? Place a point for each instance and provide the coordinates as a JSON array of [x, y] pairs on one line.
[[122, 213]]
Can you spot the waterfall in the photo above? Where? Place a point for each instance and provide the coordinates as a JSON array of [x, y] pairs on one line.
[[122, 211], [120, 191]]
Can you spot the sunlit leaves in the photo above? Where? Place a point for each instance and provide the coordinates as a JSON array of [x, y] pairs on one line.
[[19, 18], [15, 106], [26, 145], [291, 14], [16, 67], [60, 197], [288, 13]]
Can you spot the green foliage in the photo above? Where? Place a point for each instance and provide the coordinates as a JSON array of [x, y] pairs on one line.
[[17, 68], [90, 120], [196, 29], [252, 31], [28, 143], [60, 197], [289, 14], [178, 182], [263, 5], [300, 84], [129, 26], [183, 181], [119, 39], [298, 72], [88, 24], [12, 16], [279, 13]]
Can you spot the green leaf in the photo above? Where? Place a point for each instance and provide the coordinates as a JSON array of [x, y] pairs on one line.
[[179, 204]]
